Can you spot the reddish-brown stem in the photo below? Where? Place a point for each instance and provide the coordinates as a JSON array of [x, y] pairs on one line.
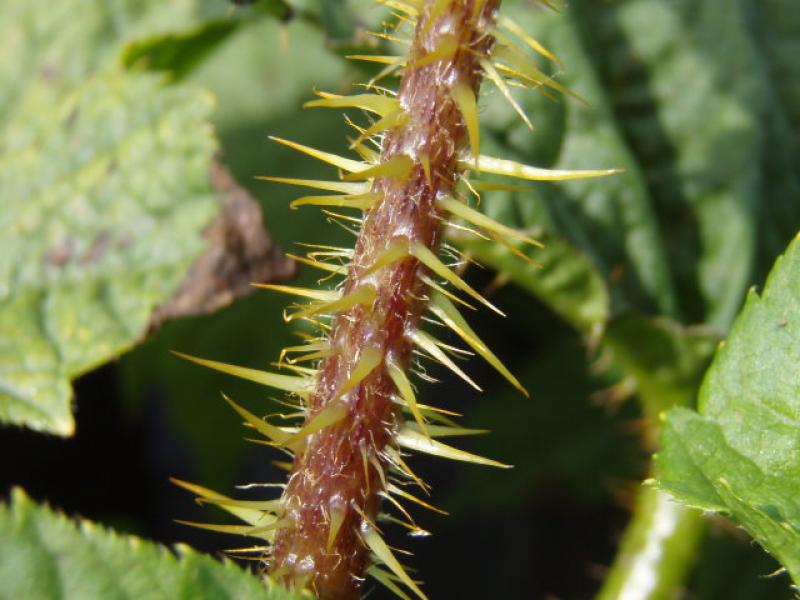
[[337, 469]]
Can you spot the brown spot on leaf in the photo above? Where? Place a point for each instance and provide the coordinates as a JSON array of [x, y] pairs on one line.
[[240, 252]]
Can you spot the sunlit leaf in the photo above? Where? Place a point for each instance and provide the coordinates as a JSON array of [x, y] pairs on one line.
[[740, 455], [43, 555]]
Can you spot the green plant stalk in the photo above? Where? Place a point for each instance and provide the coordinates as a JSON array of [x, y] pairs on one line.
[[660, 541], [656, 552]]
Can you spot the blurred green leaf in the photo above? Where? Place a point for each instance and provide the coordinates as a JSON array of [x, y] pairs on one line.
[[274, 75], [607, 227], [337, 18], [694, 95], [179, 52], [44, 555], [776, 27], [695, 102], [778, 34], [104, 182], [741, 454], [65, 41]]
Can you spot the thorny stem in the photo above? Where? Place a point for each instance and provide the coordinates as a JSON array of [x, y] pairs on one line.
[[337, 476]]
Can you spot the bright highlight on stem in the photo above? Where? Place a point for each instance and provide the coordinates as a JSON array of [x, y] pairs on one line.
[[357, 408]]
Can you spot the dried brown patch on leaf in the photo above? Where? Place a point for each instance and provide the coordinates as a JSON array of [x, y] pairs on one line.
[[240, 252]]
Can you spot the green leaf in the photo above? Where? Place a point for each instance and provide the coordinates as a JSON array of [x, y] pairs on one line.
[[776, 26], [711, 168], [700, 117], [180, 51], [337, 18], [696, 102], [604, 229], [105, 191], [741, 454], [274, 76], [104, 183], [44, 555], [51, 42], [778, 35]]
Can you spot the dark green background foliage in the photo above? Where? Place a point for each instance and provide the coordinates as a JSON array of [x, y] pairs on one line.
[[107, 131]]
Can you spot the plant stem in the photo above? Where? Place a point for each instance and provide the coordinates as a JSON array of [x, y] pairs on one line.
[[333, 490], [667, 361], [656, 552]]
